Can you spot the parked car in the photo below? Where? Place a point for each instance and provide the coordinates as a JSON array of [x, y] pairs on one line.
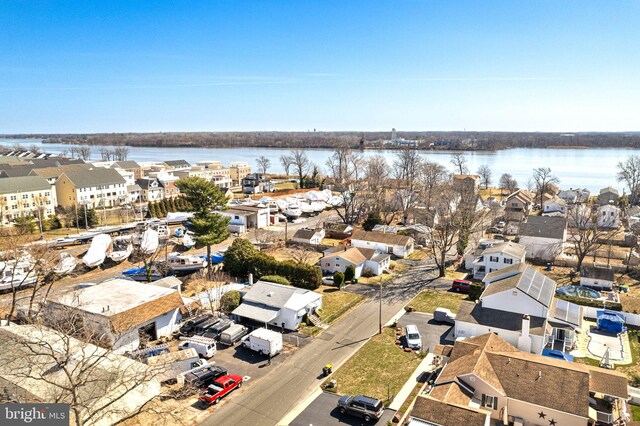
[[494, 230], [461, 286], [361, 406], [233, 334], [444, 315], [412, 336], [201, 377], [221, 387], [501, 224], [500, 237], [215, 329], [205, 346], [188, 328], [328, 280]]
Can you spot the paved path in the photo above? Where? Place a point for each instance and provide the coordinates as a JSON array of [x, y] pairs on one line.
[[268, 400]]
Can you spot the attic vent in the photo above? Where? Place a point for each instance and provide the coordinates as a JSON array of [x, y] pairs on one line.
[[539, 375], [270, 294], [508, 360]]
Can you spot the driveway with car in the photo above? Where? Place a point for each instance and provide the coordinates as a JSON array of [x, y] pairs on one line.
[[431, 331], [324, 411]]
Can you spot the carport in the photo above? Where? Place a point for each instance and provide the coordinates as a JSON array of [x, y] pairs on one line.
[[259, 313]]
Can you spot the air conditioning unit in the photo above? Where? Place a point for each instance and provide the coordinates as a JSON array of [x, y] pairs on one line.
[[517, 421]]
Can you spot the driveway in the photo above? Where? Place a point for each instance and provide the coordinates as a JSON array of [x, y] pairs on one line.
[[432, 332], [324, 411]]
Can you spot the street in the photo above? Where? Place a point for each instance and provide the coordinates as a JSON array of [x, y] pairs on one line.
[[268, 400]]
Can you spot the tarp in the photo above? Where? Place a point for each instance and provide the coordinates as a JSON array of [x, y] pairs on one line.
[[610, 321], [97, 251], [149, 242]]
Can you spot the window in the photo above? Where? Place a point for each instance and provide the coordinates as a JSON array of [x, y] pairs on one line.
[[508, 261], [490, 401], [493, 258]]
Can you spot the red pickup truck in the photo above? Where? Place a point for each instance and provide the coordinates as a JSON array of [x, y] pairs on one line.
[[220, 388]]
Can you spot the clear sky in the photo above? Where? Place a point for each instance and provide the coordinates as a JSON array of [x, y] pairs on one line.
[[112, 66]]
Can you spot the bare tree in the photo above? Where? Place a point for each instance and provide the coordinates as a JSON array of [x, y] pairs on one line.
[[629, 173], [286, 162], [485, 175], [542, 181], [432, 176], [459, 162], [585, 235], [407, 168], [120, 153], [508, 183], [209, 290], [381, 192], [302, 256], [263, 164], [84, 152], [301, 165], [353, 189], [338, 164], [105, 154]]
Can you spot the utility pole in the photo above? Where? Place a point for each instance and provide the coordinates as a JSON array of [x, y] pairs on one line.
[[380, 311]]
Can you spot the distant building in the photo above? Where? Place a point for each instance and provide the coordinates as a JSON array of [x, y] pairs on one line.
[[601, 277], [255, 183], [26, 196], [466, 183], [363, 260], [608, 216], [398, 245], [174, 165], [608, 195], [238, 171], [308, 236], [94, 188], [150, 189], [396, 141], [518, 205], [543, 237]]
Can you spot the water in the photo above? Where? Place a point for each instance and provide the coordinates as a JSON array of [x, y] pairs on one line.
[[576, 168]]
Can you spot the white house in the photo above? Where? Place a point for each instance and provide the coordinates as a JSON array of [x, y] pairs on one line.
[[597, 276], [150, 189], [543, 237], [518, 304], [279, 305], [398, 245], [555, 206], [246, 217], [308, 236], [339, 258], [122, 312], [488, 381], [498, 256], [608, 216], [575, 196]]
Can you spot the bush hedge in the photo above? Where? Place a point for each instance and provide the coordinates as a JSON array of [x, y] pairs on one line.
[[614, 306], [338, 279], [475, 291], [349, 273], [275, 279]]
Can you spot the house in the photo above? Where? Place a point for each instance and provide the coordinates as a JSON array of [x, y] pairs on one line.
[[99, 187], [308, 236], [486, 374], [496, 257], [238, 170], [135, 193], [474, 252], [26, 196], [255, 183], [466, 183], [338, 230], [243, 218], [363, 260], [106, 388], [122, 312], [575, 196], [607, 196], [151, 190], [597, 276], [608, 216], [53, 173], [168, 183], [518, 304], [543, 237], [129, 166], [279, 305], [176, 165], [555, 206], [518, 205], [398, 245]]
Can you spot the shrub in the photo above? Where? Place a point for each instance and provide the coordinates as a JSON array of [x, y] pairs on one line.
[[229, 301], [236, 258], [367, 273], [475, 291], [338, 278], [614, 306], [349, 273], [275, 279], [371, 221], [54, 222], [25, 224]]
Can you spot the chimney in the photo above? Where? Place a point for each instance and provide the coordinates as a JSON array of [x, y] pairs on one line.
[[524, 341], [250, 279], [526, 324]]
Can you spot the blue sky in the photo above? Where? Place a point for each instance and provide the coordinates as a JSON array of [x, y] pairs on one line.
[[111, 66]]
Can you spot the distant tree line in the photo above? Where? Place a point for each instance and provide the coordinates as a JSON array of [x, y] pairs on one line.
[[353, 140]]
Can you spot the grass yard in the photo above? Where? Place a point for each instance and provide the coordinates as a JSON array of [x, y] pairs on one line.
[[336, 303], [330, 241], [419, 254], [635, 413], [428, 300], [295, 254], [285, 186], [633, 370], [379, 369]]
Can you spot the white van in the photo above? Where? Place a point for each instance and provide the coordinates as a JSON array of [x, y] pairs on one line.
[[263, 341], [206, 347], [412, 335]]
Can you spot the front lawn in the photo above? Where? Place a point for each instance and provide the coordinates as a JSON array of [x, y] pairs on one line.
[[428, 300], [379, 369], [635, 413], [336, 303]]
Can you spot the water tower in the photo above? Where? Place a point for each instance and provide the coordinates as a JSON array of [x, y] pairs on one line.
[[393, 134]]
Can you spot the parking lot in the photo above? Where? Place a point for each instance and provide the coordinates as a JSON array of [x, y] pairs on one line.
[[431, 332], [324, 411]]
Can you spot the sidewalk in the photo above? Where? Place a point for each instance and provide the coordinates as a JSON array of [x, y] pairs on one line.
[[425, 366]]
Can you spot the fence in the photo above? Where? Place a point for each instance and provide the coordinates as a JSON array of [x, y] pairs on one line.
[[629, 318]]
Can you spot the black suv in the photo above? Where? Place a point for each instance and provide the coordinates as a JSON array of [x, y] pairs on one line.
[[361, 406], [215, 330], [204, 377], [189, 327]]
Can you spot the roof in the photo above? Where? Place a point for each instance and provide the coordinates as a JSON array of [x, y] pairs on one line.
[[544, 227], [432, 410], [512, 249], [381, 237], [54, 172], [524, 278], [566, 312], [474, 313], [133, 188], [534, 379], [128, 164], [272, 294], [463, 177], [177, 163], [556, 200], [145, 183], [597, 272], [12, 185], [522, 196], [126, 303], [96, 177], [610, 190], [256, 312], [305, 233], [355, 255]]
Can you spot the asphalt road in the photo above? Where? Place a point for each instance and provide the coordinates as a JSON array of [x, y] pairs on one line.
[[268, 400], [323, 411]]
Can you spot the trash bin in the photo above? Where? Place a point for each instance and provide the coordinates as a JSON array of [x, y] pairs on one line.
[[548, 266], [355, 280]]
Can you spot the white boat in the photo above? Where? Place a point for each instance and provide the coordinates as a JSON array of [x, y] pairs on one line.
[[318, 206], [336, 201], [149, 242], [185, 263], [307, 209], [292, 211], [16, 274], [66, 265], [97, 253], [122, 248], [188, 241], [282, 204]]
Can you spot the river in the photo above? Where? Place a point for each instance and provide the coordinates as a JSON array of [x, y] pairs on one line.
[[576, 168]]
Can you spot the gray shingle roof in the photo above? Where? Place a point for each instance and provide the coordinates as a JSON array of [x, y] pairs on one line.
[[177, 163], [23, 184], [129, 164], [512, 249], [270, 294], [528, 280], [597, 272], [96, 177], [544, 227], [475, 314]]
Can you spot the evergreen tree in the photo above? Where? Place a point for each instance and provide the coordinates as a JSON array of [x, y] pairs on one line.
[[372, 220]]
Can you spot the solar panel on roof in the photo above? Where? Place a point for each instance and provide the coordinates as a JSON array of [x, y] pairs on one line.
[[537, 285]]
